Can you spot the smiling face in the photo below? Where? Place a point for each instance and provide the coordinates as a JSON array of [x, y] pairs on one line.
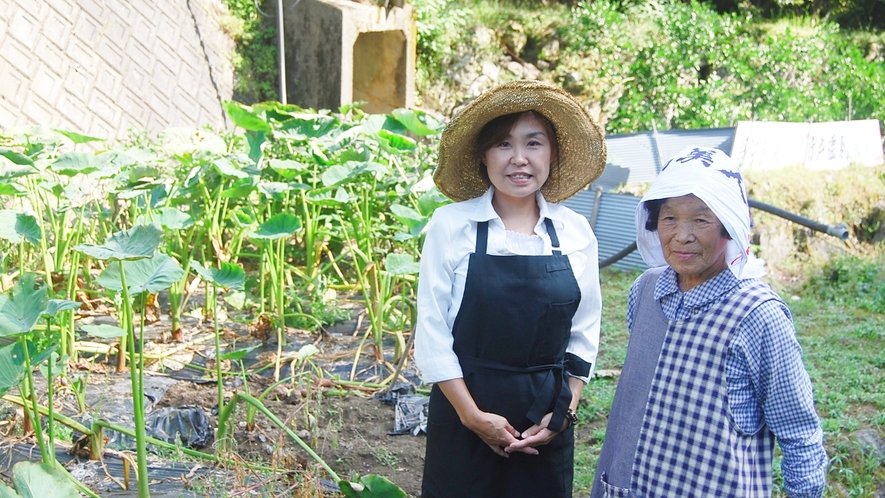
[[518, 164], [692, 239]]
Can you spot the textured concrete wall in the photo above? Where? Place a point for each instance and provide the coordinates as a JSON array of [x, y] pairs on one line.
[[340, 51], [100, 67]]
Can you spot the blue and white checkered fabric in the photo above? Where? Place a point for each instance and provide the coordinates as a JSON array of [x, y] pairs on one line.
[[763, 383], [687, 441]]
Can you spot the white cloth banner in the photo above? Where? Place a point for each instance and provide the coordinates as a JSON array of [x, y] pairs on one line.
[[820, 146]]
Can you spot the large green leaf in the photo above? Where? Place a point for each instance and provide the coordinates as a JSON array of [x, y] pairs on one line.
[[140, 241], [55, 306], [325, 198], [78, 138], [16, 157], [394, 143], [371, 486], [229, 275], [21, 309], [287, 168], [279, 226], [39, 480], [73, 163], [401, 264], [7, 492], [274, 190], [12, 367], [9, 169], [12, 189], [169, 218], [12, 362], [350, 170], [15, 225], [227, 168], [418, 122], [247, 118], [239, 354], [144, 275], [303, 126]]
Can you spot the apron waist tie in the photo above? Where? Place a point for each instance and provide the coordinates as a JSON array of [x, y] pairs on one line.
[[554, 391]]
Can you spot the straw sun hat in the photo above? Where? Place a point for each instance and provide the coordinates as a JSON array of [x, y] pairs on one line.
[[582, 150]]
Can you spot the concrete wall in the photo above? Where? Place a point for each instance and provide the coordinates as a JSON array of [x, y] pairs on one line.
[[341, 51], [99, 67]]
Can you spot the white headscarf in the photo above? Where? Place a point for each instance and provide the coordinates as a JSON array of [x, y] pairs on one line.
[[714, 178]]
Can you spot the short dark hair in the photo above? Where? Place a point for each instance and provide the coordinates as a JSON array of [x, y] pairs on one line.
[[653, 208]]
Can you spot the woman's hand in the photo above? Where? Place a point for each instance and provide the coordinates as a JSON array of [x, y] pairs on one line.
[[536, 435], [494, 430]]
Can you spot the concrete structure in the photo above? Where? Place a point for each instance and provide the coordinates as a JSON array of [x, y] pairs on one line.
[[340, 51], [100, 67]]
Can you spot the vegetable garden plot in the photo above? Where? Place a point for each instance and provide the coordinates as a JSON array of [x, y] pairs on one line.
[[272, 225]]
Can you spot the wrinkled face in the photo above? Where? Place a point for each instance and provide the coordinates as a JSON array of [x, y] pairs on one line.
[[692, 240], [519, 165]]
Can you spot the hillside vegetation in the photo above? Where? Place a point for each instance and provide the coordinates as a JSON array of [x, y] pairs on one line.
[[658, 64]]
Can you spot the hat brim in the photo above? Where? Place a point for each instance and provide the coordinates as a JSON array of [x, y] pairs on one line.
[[582, 151]]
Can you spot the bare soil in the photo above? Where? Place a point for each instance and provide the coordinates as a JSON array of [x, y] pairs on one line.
[[350, 432]]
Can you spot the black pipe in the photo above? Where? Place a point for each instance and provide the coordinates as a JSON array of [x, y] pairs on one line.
[[614, 258], [839, 230]]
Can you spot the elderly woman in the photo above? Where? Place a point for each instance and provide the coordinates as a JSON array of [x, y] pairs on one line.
[[508, 295], [713, 373]]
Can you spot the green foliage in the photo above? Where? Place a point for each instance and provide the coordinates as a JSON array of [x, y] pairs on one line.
[[256, 62], [684, 65], [439, 24], [851, 281], [690, 67]]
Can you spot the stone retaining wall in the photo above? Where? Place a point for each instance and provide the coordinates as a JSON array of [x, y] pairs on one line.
[[101, 67]]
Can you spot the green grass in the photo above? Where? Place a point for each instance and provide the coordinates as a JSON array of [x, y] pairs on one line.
[[843, 341]]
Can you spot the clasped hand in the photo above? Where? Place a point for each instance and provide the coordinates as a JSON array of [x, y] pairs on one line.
[[503, 439]]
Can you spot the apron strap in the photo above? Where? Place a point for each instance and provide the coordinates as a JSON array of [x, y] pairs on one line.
[[482, 237], [554, 240]]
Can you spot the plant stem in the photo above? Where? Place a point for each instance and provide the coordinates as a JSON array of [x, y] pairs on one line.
[[210, 292], [136, 376], [35, 418]]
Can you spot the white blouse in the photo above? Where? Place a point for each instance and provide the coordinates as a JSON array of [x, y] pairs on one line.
[[451, 238]]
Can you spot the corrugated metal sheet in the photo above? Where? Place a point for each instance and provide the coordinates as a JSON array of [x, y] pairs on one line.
[[614, 224], [637, 157], [632, 159]]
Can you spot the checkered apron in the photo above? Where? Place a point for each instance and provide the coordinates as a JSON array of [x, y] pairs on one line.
[[688, 444]]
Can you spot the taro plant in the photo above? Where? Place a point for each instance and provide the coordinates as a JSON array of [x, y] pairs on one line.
[[273, 234], [228, 276], [136, 268], [182, 238], [20, 310]]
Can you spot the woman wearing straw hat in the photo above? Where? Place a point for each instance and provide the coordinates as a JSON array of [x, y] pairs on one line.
[[713, 372], [508, 295]]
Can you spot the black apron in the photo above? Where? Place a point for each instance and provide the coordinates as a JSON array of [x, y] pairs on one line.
[[510, 336]]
